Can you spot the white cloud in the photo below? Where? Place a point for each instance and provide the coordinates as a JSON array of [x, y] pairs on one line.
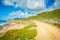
[[19, 14], [33, 5], [36, 4], [57, 4], [27, 4]]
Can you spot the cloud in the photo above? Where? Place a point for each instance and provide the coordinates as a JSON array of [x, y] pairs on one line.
[[34, 5], [10, 3], [19, 14], [56, 4]]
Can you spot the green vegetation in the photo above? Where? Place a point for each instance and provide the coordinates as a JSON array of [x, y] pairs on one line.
[[55, 25], [52, 17], [45, 15], [1, 27], [21, 34]]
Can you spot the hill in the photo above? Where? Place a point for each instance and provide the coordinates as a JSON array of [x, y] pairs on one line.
[[51, 17], [54, 14]]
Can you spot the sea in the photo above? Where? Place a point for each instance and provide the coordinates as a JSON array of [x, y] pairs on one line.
[[3, 23]]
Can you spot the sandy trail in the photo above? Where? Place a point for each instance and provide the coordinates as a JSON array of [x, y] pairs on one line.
[[44, 31], [47, 32]]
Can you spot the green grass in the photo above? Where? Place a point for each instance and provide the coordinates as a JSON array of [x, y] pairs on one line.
[[1, 27], [45, 15], [21, 34], [55, 25], [54, 15]]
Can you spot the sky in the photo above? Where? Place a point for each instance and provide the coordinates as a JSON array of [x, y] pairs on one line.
[[10, 9]]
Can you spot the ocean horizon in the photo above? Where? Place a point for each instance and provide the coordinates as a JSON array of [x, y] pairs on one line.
[[3, 22]]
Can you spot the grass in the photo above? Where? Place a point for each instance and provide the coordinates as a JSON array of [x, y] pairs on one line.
[[55, 25], [20, 34], [45, 15], [1, 27], [54, 15]]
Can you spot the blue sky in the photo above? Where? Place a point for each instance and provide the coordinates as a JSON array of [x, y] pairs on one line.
[[10, 9]]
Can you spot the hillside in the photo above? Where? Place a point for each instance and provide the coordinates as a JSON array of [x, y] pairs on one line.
[[55, 14], [51, 17]]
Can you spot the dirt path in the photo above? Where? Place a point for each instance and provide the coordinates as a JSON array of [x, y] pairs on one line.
[[47, 32], [44, 31]]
